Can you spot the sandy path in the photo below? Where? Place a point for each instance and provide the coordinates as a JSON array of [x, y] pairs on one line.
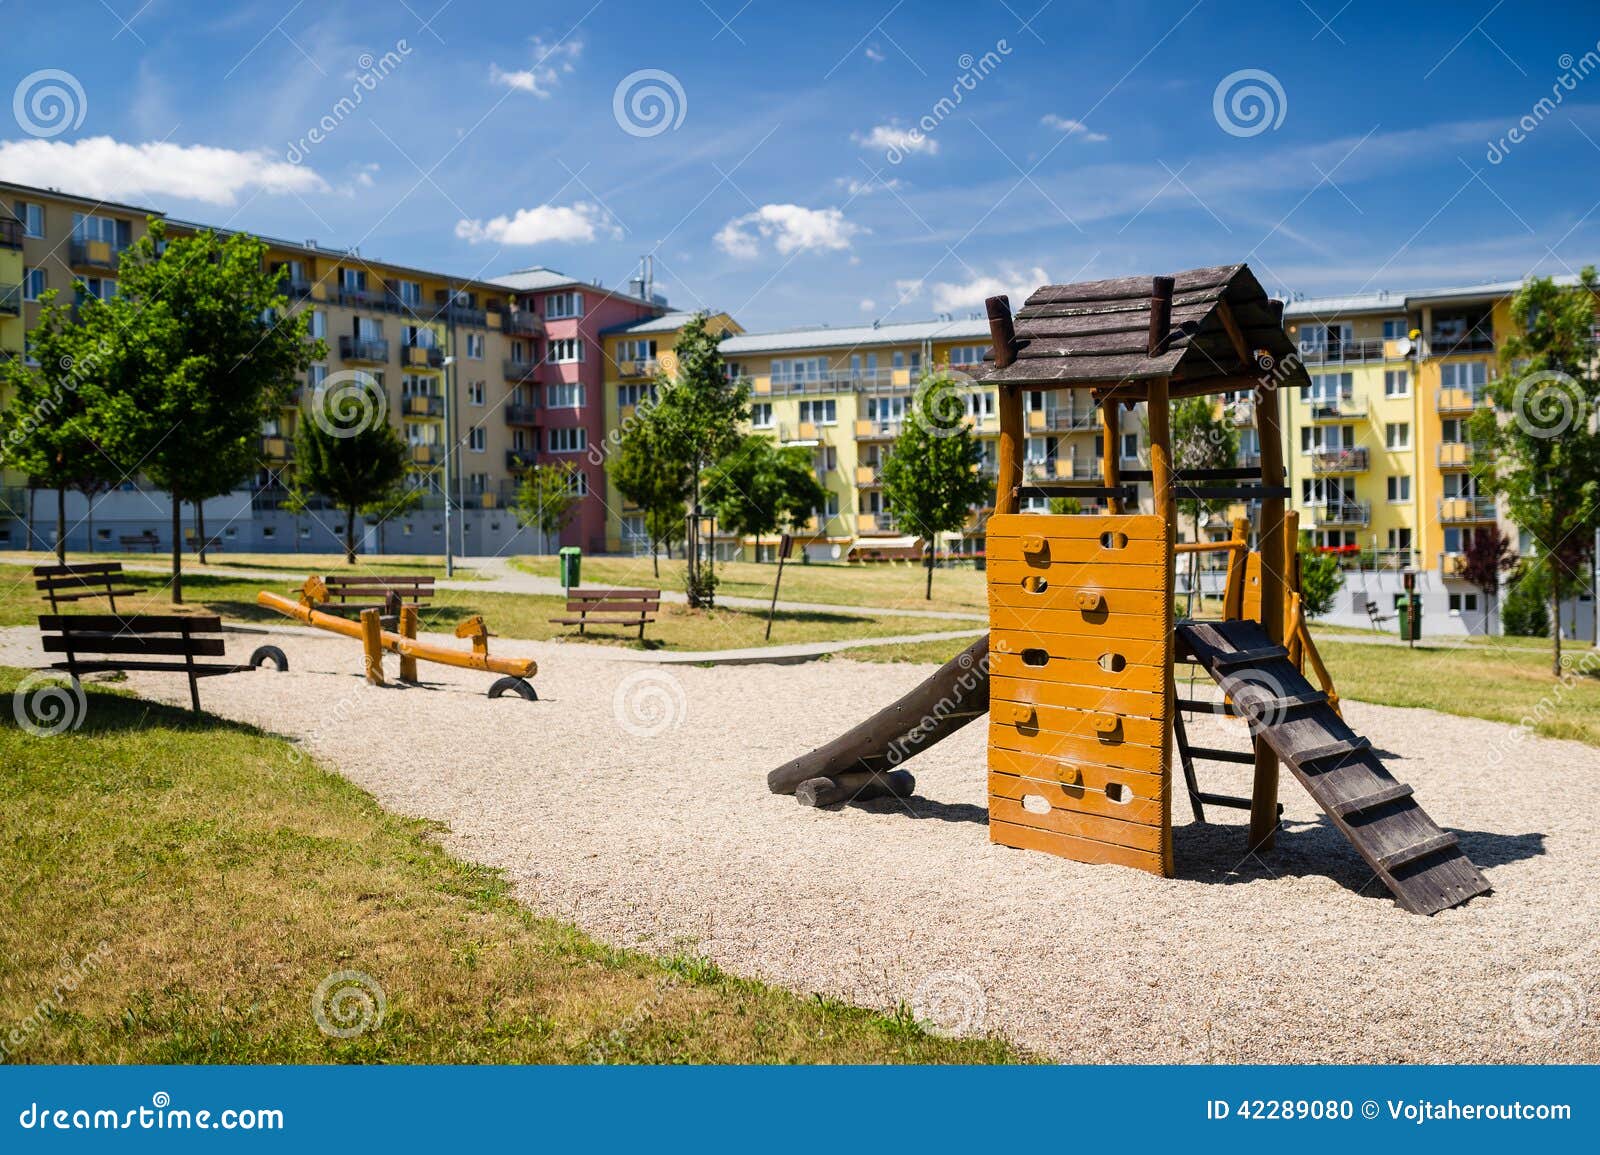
[[631, 800]]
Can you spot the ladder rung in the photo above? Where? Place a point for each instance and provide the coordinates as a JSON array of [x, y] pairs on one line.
[[1248, 657], [1331, 750], [1395, 858], [1202, 706], [1232, 801], [1390, 793], [1211, 754], [1254, 706]]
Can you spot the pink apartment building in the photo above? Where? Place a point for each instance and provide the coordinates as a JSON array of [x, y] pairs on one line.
[[557, 372]]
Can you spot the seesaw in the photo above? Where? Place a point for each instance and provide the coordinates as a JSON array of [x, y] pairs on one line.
[[376, 641]]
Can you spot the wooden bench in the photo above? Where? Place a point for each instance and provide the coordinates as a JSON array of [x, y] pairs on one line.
[[139, 642], [386, 593], [74, 583], [147, 538], [1377, 617], [611, 608]]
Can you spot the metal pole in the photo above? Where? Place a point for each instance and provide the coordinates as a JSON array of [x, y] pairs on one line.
[[450, 345]]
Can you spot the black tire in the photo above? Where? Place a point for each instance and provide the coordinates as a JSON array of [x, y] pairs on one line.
[[272, 654], [517, 686]]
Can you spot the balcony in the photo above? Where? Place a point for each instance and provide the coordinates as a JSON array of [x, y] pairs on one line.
[[94, 254], [1063, 418], [1335, 408], [1242, 411], [519, 459], [370, 350], [1343, 352], [461, 314], [422, 357], [881, 523], [519, 370], [802, 431], [1350, 460], [1342, 513], [645, 368], [1450, 342], [1456, 455], [11, 233], [522, 415], [365, 298], [295, 290], [422, 406], [869, 429], [11, 300], [1452, 565], [277, 449], [427, 455], [1471, 510], [1461, 400], [868, 476], [521, 324]]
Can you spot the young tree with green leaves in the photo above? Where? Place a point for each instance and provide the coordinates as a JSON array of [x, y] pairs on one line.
[[1487, 556], [348, 452], [547, 497], [761, 488], [932, 477], [1539, 448], [50, 429], [700, 410], [1320, 577], [209, 351], [1203, 437], [653, 479]]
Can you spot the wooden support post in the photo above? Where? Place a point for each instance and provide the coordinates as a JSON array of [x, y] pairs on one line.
[[407, 628], [1008, 472], [1274, 582], [372, 645], [1160, 314], [1238, 561], [1166, 507], [1110, 448]]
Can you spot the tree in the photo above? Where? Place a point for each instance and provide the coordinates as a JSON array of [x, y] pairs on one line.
[[932, 478], [1203, 437], [209, 352], [547, 497], [1540, 450], [349, 453], [1524, 614], [52, 424], [1487, 556], [650, 477], [1320, 578], [759, 488], [699, 410]]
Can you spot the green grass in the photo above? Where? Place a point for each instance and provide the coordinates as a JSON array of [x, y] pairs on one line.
[[217, 877], [677, 628]]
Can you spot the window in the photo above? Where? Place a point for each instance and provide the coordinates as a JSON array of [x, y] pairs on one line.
[[1464, 603], [638, 394], [1396, 383], [33, 284], [569, 440], [519, 440], [317, 376], [1130, 447], [819, 412], [477, 439], [32, 218], [1330, 388], [1326, 438], [980, 405], [793, 370], [410, 292], [475, 346], [568, 395], [1454, 431], [1395, 328], [565, 351], [1400, 488], [629, 352], [368, 329], [104, 288], [475, 392], [353, 280], [560, 305], [1397, 435], [578, 483], [886, 410], [412, 385], [968, 354], [860, 364], [830, 507], [1463, 374], [1400, 538], [319, 324], [761, 415]]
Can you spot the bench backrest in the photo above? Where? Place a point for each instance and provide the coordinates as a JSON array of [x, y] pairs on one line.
[[613, 601], [412, 588], [70, 577], [138, 636]]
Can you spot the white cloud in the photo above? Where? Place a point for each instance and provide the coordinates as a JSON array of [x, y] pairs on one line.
[[100, 166], [875, 54], [892, 138], [576, 223], [550, 63], [1071, 127], [865, 188], [791, 229], [868, 304], [963, 296]]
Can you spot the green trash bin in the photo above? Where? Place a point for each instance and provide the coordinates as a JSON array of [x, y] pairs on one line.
[[571, 558], [1409, 609]]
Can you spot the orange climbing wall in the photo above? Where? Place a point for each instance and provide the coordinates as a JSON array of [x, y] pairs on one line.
[[1080, 641]]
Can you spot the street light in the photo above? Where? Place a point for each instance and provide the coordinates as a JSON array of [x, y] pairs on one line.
[[449, 412]]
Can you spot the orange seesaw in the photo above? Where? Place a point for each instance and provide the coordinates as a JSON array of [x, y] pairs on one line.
[[376, 641]]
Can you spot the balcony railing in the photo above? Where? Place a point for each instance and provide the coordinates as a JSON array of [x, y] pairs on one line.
[[11, 233], [1343, 513], [1456, 454], [423, 357], [1324, 408], [519, 459], [1462, 400], [274, 448], [521, 324], [1466, 509], [868, 523], [1452, 564], [1352, 460], [869, 429], [1446, 343], [645, 368], [11, 300], [95, 254], [519, 370], [370, 349], [1342, 352], [804, 430], [426, 455], [423, 405], [448, 310], [522, 415], [868, 475], [293, 289], [367, 299], [1064, 417]]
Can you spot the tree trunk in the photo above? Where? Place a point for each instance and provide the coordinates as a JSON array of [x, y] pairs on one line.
[[89, 497], [61, 525], [177, 550], [200, 531], [655, 557], [927, 592], [350, 536], [1555, 622]]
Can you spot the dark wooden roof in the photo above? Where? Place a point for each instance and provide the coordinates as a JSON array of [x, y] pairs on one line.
[[1097, 333]]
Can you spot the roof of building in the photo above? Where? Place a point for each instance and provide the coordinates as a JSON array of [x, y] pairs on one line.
[[1389, 301], [1222, 327], [666, 323], [538, 278], [824, 336], [92, 202]]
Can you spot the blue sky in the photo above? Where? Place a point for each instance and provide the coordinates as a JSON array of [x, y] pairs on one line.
[[787, 184]]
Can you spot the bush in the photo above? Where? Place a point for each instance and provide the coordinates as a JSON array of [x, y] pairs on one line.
[[1320, 579], [1524, 613]]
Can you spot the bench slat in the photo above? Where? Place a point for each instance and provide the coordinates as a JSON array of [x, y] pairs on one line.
[[77, 643], [593, 594], [131, 624], [120, 592], [199, 671], [86, 569], [613, 607]]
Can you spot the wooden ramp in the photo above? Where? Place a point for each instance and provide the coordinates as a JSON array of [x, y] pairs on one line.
[[1420, 863]]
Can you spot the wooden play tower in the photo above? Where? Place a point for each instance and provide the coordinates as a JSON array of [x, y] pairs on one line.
[[1077, 673]]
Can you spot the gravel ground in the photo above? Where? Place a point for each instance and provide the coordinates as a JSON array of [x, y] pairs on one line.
[[632, 800]]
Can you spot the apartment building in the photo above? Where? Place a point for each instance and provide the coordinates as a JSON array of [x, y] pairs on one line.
[[634, 354]]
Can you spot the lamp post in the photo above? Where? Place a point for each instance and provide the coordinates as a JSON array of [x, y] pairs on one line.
[[449, 415]]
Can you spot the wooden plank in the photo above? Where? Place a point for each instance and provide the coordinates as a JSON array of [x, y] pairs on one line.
[[1075, 609], [1075, 849], [85, 569], [1371, 800], [1090, 695], [82, 643], [1060, 551], [1422, 848], [131, 624], [1117, 799], [108, 665], [1068, 747], [1078, 772], [648, 595], [1059, 820], [1068, 672], [1135, 287], [1141, 526], [593, 608], [1037, 644], [1104, 725], [1134, 319], [1101, 577]]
